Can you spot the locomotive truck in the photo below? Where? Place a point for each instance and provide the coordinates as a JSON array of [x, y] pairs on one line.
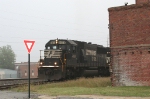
[[65, 59]]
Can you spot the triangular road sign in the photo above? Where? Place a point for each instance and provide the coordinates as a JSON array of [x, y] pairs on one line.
[[29, 44]]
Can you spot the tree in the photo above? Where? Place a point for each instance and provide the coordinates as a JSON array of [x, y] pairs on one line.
[[7, 57]]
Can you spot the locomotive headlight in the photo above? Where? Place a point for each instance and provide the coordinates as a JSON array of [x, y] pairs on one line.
[[41, 63], [55, 63], [108, 52]]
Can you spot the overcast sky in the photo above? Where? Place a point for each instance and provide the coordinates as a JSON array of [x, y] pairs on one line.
[[42, 20]]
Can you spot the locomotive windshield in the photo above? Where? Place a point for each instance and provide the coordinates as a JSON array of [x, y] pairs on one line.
[[58, 47]]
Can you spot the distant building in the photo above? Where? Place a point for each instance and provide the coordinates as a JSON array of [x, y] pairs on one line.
[[22, 69], [7, 73]]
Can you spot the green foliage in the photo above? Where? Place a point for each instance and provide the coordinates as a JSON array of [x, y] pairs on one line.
[[82, 82], [7, 57]]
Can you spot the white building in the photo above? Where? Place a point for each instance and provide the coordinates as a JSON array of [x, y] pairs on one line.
[[7, 73]]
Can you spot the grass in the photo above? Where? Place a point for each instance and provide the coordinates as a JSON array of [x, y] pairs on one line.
[[90, 86]]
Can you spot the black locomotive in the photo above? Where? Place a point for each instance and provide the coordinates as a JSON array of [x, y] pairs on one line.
[[64, 59]]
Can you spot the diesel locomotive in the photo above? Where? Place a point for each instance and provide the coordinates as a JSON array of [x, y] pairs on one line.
[[65, 59]]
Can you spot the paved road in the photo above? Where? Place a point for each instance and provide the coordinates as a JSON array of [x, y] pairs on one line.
[[24, 95], [89, 97], [16, 95]]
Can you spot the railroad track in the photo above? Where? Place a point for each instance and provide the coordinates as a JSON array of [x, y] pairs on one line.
[[9, 83]]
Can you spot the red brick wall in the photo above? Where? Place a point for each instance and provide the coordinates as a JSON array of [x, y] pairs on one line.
[[142, 1], [130, 25], [130, 45], [23, 70]]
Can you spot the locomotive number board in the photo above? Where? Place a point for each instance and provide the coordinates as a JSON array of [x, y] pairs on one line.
[[59, 42]]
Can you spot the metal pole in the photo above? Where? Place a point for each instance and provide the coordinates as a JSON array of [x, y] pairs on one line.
[[41, 54], [29, 74]]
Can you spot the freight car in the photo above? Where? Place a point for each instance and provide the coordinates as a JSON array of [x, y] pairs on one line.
[[64, 59]]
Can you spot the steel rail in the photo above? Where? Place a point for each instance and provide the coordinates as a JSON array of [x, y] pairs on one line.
[[9, 83]]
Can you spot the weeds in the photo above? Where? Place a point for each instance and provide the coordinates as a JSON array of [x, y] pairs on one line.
[[87, 86]]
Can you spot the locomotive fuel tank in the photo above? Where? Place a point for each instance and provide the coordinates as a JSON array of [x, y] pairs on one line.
[[90, 73]]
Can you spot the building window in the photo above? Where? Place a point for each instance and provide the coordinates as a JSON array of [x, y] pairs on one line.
[[118, 54], [19, 75], [32, 72], [25, 73], [125, 53]]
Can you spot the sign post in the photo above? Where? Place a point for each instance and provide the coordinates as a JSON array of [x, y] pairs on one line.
[[29, 44]]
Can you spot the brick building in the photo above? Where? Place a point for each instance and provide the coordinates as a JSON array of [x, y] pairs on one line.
[[22, 69], [129, 28], [142, 1]]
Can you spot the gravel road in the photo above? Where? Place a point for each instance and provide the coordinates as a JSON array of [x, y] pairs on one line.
[[16, 95], [90, 97], [24, 95]]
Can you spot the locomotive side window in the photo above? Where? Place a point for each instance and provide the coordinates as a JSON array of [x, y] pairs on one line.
[[74, 49], [48, 47], [62, 47], [54, 47], [68, 47]]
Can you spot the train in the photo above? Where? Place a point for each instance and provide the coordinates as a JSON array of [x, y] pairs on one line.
[[67, 59]]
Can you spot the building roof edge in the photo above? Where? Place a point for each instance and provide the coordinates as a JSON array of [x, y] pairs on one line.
[[133, 6]]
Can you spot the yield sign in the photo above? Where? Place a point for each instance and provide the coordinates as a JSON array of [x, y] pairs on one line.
[[29, 44]]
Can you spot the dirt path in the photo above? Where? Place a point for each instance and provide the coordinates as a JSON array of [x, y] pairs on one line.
[[24, 95], [89, 97]]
